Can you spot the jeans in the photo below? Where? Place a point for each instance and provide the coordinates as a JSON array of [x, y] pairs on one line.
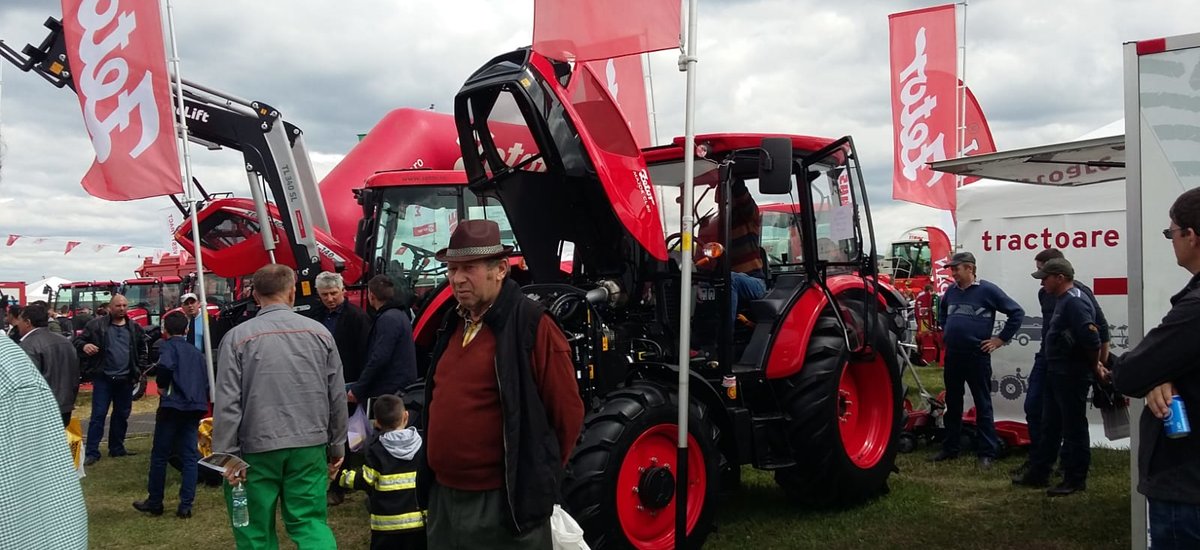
[[1174, 525], [118, 392], [1065, 426], [973, 368], [745, 287], [1034, 395], [175, 431]]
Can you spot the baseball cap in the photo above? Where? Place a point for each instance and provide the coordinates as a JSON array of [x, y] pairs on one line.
[[961, 258], [1056, 266], [189, 296]]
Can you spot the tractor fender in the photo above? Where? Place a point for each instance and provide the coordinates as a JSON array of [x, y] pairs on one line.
[[430, 319], [787, 349], [698, 389]]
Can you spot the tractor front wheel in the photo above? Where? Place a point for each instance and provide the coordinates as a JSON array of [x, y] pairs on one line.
[[620, 483], [845, 415]]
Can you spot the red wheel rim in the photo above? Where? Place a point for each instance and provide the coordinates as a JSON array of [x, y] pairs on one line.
[[865, 411], [648, 526]]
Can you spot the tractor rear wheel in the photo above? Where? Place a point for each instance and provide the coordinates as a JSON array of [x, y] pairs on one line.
[[620, 483], [845, 416]]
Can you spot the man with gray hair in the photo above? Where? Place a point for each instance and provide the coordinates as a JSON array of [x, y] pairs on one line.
[[350, 326]]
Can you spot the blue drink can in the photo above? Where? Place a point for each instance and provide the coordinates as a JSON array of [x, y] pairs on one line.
[[1176, 422]]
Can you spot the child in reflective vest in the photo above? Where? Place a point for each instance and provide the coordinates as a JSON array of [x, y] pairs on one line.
[[390, 478]]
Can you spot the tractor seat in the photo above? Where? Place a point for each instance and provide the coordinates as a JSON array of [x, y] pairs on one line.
[[771, 306]]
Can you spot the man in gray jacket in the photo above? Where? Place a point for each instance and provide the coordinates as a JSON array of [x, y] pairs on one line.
[[53, 355], [281, 406]]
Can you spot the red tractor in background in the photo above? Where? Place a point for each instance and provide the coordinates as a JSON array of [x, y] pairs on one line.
[[811, 391]]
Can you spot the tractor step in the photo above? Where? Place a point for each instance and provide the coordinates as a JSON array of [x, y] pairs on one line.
[[771, 450]]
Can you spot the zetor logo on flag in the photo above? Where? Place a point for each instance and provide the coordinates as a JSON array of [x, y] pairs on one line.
[[924, 59], [119, 70]]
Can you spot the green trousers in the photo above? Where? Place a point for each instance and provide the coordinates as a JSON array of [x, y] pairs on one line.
[[295, 478], [470, 520]]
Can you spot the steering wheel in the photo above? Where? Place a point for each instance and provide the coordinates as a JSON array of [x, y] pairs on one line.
[[422, 258]]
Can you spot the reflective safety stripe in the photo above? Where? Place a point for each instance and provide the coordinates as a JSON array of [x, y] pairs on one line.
[[399, 522], [347, 480], [389, 482]]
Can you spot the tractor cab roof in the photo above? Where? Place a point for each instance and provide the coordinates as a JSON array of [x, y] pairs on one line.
[[666, 161], [581, 179]]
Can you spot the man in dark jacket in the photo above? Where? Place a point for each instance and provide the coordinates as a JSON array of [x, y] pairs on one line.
[[183, 386], [348, 323], [1071, 353], [350, 327], [1164, 364], [54, 357], [391, 363], [1037, 374], [967, 314], [503, 410], [113, 350]]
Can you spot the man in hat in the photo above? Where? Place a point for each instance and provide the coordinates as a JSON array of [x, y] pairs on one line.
[[191, 308], [1037, 375], [502, 406], [1072, 352], [967, 314]]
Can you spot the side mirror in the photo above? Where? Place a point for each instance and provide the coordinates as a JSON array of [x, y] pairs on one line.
[[775, 166]]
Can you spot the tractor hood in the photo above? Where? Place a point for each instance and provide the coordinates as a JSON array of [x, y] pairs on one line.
[[579, 177]]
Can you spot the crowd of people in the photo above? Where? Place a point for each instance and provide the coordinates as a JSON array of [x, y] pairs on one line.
[[1074, 356], [501, 406]]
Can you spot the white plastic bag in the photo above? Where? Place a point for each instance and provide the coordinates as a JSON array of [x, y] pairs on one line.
[[567, 534], [358, 429]]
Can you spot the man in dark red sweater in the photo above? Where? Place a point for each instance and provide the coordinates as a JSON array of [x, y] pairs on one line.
[[502, 406]]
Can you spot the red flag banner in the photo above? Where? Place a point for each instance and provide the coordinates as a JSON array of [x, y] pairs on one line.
[[977, 135], [70, 246], [119, 67], [625, 82], [586, 30], [13, 239], [123, 248], [924, 60]]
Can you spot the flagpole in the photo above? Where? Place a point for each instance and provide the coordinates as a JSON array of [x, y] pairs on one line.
[[181, 125], [687, 63]]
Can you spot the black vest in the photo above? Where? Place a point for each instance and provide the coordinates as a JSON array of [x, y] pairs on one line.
[[532, 463]]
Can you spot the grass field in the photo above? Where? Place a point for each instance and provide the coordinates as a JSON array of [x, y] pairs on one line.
[[946, 505]]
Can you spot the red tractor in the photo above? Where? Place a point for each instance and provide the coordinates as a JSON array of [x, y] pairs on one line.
[[809, 389]]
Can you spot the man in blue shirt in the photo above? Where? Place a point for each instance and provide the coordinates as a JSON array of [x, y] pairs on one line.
[[1072, 351], [967, 314]]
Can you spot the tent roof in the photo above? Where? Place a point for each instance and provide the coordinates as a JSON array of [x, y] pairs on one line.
[[1064, 164]]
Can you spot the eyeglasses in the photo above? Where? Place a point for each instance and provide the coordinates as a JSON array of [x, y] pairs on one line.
[[1169, 232]]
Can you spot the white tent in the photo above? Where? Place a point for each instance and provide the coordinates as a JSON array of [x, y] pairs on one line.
[[37, 290]]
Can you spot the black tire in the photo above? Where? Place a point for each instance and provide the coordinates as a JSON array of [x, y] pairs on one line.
[[590, 488], [907, 443], [825, 475]]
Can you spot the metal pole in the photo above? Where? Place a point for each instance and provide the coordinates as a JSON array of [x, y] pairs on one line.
[[687, 63], [181, 125]]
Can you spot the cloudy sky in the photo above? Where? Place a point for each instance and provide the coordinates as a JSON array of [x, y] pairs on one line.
[[1043, 72]]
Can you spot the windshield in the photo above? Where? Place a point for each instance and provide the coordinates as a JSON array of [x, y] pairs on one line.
[[90, 297], [414, 222], [911, 259]]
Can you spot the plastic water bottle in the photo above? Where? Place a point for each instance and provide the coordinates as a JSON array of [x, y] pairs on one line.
[[241, 509]]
